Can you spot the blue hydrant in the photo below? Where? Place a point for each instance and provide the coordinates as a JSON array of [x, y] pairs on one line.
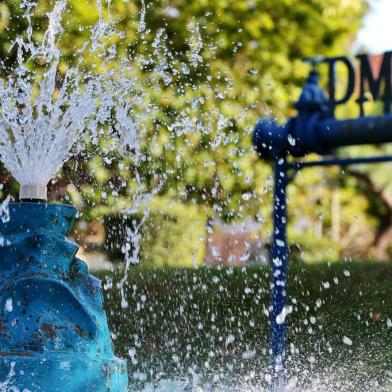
[[54, 332]]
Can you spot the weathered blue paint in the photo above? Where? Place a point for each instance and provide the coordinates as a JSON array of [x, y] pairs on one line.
[[54, 331]]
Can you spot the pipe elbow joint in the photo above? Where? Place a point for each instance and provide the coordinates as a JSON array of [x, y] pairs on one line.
[[271, 139]]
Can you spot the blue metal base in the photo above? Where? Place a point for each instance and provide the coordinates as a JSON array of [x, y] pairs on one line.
[[54, 334], [63, 373]]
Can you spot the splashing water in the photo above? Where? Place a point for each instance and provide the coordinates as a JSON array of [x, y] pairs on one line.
[[324, 383], [142, 24], [4, 385], [40, 118], [46, 116]]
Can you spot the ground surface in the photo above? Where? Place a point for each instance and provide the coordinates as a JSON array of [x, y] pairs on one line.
[[214, 323]]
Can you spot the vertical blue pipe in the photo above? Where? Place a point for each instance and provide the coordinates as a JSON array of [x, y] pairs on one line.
[[279, 274]]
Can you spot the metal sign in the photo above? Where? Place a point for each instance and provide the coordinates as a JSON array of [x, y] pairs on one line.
[[367, 80]]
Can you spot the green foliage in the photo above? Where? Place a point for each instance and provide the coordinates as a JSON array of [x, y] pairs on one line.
[[251, 67], [173, 235], [310, 248]]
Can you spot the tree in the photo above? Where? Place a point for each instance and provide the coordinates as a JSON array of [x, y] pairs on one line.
[[209, 69]]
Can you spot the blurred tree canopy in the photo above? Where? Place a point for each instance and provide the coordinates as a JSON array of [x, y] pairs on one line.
[[249, 64]]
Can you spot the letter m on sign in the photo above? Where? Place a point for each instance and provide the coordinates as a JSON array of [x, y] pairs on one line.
[[372, 83]]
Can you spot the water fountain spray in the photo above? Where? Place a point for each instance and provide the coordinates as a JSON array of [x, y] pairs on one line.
[[55, 334], [62, 340], [40, 119]]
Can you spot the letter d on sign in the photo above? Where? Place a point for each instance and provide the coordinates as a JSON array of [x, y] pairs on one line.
[[332, 62]]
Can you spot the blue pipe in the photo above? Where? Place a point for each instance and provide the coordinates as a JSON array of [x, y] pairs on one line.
[[279, 275], [339, 162], [312, 130], [333, 133], [314, 133]]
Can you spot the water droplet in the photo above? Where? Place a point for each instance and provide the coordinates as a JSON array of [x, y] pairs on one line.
[[246, 196], [8, 307], [291, 140], [281, 317]]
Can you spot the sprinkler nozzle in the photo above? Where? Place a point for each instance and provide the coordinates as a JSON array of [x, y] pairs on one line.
[[33, 192]]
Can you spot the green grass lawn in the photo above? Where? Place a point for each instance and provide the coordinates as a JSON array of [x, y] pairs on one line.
[[216, 320]]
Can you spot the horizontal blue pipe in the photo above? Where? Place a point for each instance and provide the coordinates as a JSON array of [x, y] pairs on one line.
[[340, 162], [365, 130], [312, 133]]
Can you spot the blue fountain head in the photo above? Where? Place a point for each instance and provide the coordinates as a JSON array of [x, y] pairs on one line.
[[55, 335]]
